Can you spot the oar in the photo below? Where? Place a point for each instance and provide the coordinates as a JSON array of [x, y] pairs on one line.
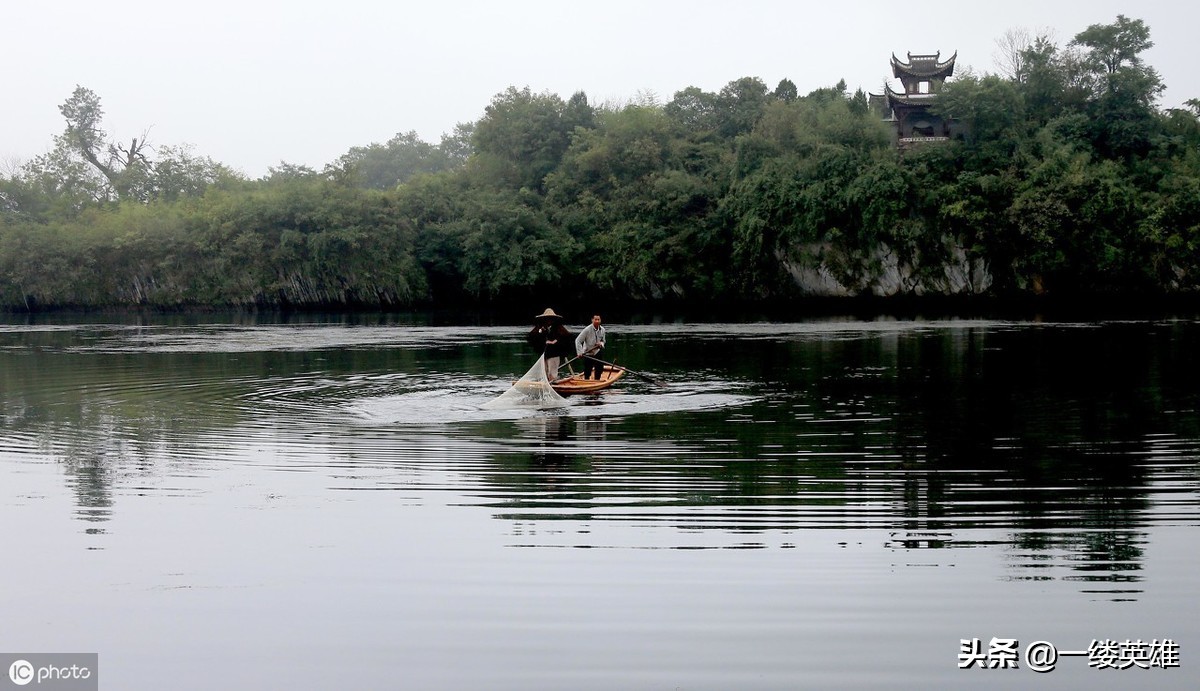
[[647, 377], [586, 353], [571, 360]]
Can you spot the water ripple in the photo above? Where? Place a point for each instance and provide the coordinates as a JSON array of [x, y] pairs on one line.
[[910, 444]]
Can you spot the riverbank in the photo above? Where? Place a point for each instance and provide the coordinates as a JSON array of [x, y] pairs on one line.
[[1023, 308]]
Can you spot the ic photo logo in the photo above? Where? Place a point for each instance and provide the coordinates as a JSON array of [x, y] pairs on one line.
[[20, 672], [50, 671]]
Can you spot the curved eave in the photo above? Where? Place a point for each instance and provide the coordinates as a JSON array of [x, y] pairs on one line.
[[907, 69], [895, 97]]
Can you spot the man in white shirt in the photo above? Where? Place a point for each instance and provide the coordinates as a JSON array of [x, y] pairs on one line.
[[590, 342]]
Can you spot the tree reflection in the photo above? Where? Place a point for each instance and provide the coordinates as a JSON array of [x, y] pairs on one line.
[[89, 475], [952, 438], [1045, 442]]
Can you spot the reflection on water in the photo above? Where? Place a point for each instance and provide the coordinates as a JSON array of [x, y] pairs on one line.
[[1065, 452], [931, 431]]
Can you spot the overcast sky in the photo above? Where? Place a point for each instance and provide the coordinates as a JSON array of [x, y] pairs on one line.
[[253, 83]]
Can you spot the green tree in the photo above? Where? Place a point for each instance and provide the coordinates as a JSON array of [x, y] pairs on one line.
[[125, 168], [177, 173], [1042, 79], [383, 166], [96, 168], [1124, 89], [456, 146], [510, 249], [1117, 46], [308, 241], [991, 109], [1173, 229], [53, 185], [786, 91], [694, 109], [625, 190], [739, 106], [523, 135]]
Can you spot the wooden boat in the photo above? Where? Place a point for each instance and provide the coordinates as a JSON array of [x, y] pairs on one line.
[[577, 384]]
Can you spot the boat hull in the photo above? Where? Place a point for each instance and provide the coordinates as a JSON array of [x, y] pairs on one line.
[[577, 384]]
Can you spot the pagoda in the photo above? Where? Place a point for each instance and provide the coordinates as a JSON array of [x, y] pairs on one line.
[[908, 111]]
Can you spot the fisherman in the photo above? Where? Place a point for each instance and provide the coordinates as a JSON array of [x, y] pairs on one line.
[[551, 339], [589, 344]]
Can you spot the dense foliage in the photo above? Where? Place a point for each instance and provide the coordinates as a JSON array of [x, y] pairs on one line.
[[1069, 180]]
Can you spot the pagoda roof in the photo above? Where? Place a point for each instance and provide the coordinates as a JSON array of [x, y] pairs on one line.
[[924, 66], [897, 97]]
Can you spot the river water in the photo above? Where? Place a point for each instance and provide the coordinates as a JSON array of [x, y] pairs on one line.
[[834, 503]]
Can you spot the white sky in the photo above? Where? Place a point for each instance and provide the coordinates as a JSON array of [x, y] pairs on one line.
[[255, 82]]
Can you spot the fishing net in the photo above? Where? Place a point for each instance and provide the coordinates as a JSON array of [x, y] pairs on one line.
[[530, 391]]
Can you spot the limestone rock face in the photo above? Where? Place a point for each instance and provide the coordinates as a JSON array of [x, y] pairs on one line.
[[821, 270]]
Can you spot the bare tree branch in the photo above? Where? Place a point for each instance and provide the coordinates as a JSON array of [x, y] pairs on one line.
[[1011, 48]]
